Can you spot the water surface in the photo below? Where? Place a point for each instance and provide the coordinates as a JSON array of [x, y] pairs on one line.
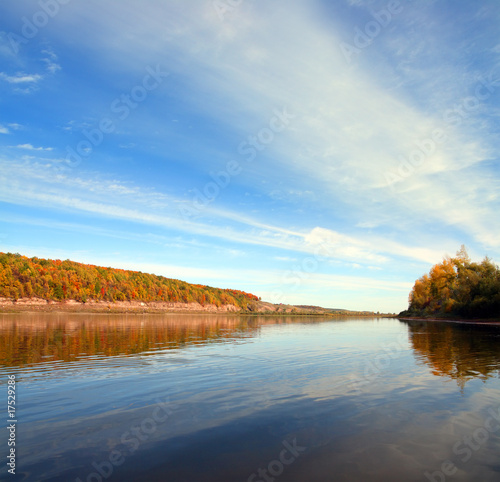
[[202, 398]]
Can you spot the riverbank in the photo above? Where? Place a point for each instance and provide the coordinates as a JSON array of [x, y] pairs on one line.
[[23, 305], [475, 321], [156, 307], [96, 306]]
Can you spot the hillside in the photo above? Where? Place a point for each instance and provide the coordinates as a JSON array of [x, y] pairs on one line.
[[337, 311], [45, 284], [56, 280]]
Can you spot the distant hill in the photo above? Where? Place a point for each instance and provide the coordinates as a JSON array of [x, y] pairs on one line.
[[334, 311], [56, 280]]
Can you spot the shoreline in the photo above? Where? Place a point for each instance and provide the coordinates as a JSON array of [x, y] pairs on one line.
[[39, 305], [474, 321]]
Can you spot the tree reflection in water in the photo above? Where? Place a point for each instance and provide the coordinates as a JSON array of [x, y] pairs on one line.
[[30, 339], [459, 351]]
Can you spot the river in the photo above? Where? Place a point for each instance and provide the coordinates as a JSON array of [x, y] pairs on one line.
[[215, 398]]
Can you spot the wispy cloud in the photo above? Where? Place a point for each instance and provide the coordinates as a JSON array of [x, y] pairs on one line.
[[29, 147], [51, 61], [285, 258], [116, 200], [352, 126], [21, 78]]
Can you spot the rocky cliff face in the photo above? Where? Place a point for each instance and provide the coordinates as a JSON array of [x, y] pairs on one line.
[[38, 304]]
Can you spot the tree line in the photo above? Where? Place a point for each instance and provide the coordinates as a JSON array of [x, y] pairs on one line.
[[23, 277], [457, 287]]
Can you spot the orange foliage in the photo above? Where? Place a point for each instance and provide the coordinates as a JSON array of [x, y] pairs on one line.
[[58, 280]]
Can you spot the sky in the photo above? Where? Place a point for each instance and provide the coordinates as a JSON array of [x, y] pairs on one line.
[[308, 151]]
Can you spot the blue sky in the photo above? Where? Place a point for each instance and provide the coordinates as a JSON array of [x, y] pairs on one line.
[[310, 152]]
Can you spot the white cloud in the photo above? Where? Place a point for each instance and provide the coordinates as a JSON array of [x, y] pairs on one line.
[[287, 259], [51, 61], [350, 127], [336, 245], [36, 185], [5, 129], [21, 78], [29, 147]]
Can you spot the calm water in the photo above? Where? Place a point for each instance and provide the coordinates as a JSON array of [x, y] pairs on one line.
[[224, 398]]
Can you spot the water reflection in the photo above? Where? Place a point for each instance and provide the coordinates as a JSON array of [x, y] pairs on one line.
[[30, 339], [458, 351], [238, 388]]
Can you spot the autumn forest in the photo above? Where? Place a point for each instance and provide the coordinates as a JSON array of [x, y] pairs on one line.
[[457, 287], [58, 280]]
